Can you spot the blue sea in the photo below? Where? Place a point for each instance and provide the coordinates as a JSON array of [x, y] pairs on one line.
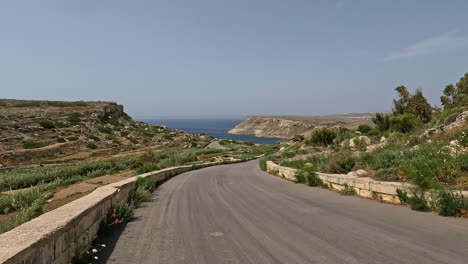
[[217, 128]]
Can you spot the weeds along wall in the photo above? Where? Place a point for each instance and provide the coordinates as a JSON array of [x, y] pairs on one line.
[[56, 236], [365, 187]]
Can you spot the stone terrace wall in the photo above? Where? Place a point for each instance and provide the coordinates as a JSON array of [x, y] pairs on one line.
[[364, 186], [56, 236]]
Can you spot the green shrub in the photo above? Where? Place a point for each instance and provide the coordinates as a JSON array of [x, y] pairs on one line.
[[147, 167], [168, 137], [61, 140], [404, 123], [74, 118], [23, 216], [19, 200], [92, 146], [342, 163], [364, 128], [124, 133], [104, 129], [133, 140], [288, 154], [323, 136], [300, 177], [382, 121], [32, 145], [60, 125], [348, 190], [142, 192], [431, 163], [390, 174], [72, 138], [391, 156], [47, 124], [449, 203], [417, 201], [96, 139], [263, 164]]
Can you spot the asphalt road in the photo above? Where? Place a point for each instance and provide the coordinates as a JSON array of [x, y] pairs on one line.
[[239, 214]]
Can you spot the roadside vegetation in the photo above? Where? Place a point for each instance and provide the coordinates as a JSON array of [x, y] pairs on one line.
[[416, 142], [24, 192]]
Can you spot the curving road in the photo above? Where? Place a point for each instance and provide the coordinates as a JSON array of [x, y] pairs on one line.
[[239, 214]]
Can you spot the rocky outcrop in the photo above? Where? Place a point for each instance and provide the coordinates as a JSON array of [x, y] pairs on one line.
[[289, 126]]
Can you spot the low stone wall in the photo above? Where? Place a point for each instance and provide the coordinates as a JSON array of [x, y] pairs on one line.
[[56, 236], [364, 186]]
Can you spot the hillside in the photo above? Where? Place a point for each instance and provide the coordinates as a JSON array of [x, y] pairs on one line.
[[289, 126], [38, 132]]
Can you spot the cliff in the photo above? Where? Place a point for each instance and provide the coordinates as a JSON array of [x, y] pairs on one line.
[[289, 126]]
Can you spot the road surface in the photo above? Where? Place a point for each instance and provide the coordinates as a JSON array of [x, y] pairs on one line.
[[239, 214]]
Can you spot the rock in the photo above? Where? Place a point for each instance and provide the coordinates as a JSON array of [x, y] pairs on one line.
[[364, 138], [383, 140], [361, 173], [451, 118], [352, 173]]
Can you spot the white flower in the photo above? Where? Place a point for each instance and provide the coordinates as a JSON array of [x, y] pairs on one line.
[[95, 257], [103, 245], [94, 250]]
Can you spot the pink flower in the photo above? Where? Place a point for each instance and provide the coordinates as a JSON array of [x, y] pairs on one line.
[[116, 221], [114, 215]]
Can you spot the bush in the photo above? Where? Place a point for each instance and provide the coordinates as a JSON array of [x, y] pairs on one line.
[[382, 121], [300, 176], [390, 174], [404, 123], [142, 192], [91, 146], [97, 139], [288, 154], [348, 190], [61, 140], [449, 203], [72, 138], [147, 167], [103, 129], [431, 163], [342, 163], [323, 136], [417, 201], [263, 164], [298, 138], [60, 125], [32, 145], [364, 128], [47, 124], [133, 140], [74, 118]]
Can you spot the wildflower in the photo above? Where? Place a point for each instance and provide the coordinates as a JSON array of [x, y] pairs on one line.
[[95, 257], [103, 245], [94, 250]]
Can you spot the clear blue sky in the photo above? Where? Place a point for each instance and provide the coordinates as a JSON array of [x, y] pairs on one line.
[[231, 58]]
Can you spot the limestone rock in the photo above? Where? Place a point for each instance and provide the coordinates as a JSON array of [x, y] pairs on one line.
[[352, 142]]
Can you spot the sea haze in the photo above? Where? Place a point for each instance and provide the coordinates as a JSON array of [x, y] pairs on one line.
[[217, 128]]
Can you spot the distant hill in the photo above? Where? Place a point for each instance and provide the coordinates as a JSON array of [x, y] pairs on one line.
[[37, 132], [289, 126]]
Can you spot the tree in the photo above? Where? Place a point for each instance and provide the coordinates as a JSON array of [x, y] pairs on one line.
[[456, 96], [449, 95], [419, 107], [461, 97], [400, 105], [415, 104]]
